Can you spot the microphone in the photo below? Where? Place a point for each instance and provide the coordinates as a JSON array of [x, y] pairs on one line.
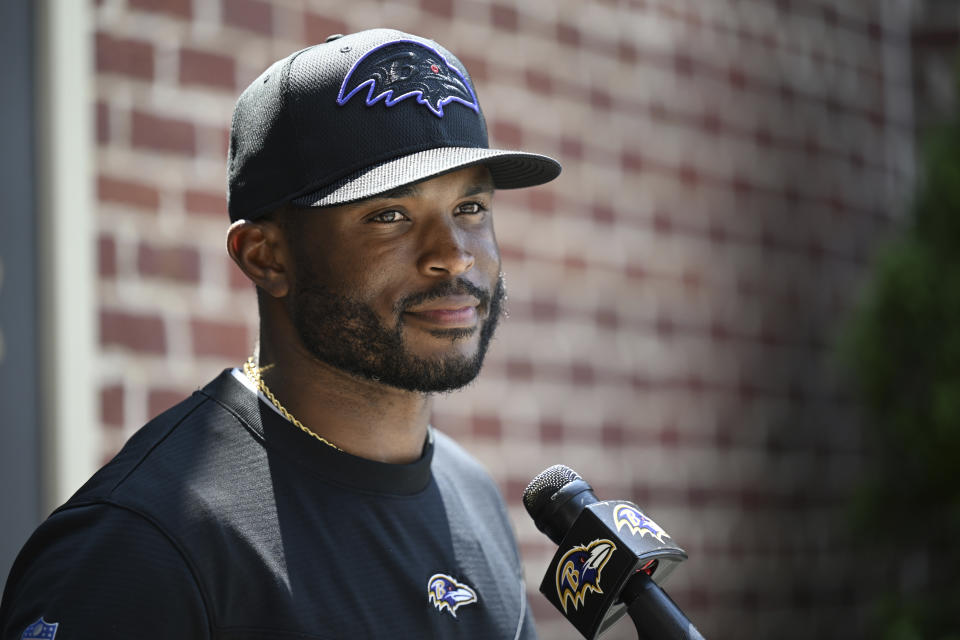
[[609, 562]]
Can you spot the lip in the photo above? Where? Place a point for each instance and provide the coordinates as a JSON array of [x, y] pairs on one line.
[[448, 312]]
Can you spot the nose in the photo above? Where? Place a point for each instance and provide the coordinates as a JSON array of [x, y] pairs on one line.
[[444, 251]]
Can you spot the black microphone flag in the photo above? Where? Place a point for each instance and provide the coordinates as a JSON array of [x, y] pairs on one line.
[[602, 546]]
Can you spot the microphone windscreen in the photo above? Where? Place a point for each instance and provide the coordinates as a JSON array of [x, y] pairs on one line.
[[545, 484]]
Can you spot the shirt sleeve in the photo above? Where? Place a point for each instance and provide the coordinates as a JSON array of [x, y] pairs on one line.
[[101, 571]]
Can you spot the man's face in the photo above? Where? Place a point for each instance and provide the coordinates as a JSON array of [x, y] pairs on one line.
[[403, 288]]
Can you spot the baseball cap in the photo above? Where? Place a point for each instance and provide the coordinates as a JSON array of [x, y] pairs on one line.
[[360, 115]]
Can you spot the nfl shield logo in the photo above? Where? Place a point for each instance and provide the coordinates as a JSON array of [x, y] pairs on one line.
[[40, 630]]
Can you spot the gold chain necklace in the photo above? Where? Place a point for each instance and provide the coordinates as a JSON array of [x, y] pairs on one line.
[[255, 374]]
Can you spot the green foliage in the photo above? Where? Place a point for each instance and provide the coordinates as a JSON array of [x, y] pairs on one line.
[[904, 348]]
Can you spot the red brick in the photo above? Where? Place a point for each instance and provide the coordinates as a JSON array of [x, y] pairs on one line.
[[442, 8], [627, 52], [692, 280], [601, 99], [571, 148], [582, 374], [787, 93], [174, 263], [603, 214], [539, 81], [252, 15], [504, 17], [669, 436], [136, 194], [476, 67], [665, 327], [519, 369], [159, 400], [612, 434], [763, 137], [206, 68], [238, 279], [134, 331], [103, 123], [507, 134], [737, 78], [568, 35], [607, 318], [124, 56], [636, 272], [829, 15], [205, 203], [163, 134], [220, 137], [658, 110], [689, 175], [319, 28], [512, 252], [700, 497], [222, 339], [682, 64], [631, 161], [551, 430], [225, 137], [717, 233], [544, 309], [111, 405], [741, 185], [177, 8], [857, 160], [106, 256], [541, 200], [486, 426]]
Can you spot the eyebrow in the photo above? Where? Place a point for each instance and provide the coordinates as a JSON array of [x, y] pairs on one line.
[[405, 191], [475, 189]]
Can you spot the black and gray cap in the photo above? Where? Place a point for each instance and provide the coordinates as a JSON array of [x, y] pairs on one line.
[[357, 116]]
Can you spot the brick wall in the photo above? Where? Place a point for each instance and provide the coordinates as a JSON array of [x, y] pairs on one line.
[[729, 167], [935, 48]]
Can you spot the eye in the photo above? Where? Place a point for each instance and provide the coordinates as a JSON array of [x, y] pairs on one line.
[[471, 208], [387, 217]]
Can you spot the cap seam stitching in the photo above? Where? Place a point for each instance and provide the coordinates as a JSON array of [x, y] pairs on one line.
[[296, 129]]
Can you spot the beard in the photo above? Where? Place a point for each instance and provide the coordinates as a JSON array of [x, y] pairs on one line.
[[347, 333]]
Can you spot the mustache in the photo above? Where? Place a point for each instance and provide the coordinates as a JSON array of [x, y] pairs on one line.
[[459, 286]]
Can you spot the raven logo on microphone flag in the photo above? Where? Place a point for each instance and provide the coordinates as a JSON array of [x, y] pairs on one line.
[[446, 593], [579, 571], [636, 522], [405, 69]]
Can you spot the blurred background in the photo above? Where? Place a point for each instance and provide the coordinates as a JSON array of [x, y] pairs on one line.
[[698, 314]]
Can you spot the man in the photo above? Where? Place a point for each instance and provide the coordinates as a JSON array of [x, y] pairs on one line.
[[306, 495]]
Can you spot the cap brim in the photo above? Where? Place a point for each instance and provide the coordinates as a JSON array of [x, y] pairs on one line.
[[509, 170]]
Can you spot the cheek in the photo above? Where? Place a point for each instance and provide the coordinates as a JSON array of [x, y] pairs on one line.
[[487, 254], [334, 267], [377, 280]]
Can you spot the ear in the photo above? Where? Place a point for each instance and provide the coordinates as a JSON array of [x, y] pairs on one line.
[[260, 250]]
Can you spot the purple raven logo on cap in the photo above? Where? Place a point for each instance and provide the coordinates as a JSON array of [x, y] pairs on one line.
[[405, 69]]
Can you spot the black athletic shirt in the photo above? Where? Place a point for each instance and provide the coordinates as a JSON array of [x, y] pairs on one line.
[[219, 519]]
